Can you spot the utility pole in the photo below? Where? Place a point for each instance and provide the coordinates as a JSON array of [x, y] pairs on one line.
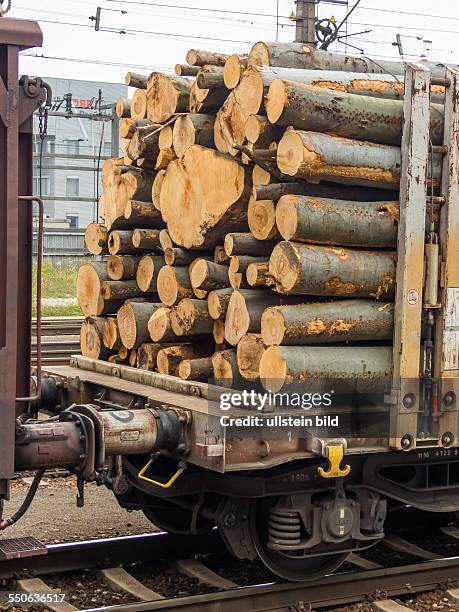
[[305, 31]]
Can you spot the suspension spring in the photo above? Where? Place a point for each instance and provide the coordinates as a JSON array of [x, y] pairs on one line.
[[284, 528]]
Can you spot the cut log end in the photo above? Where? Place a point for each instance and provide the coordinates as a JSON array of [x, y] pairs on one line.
[[218, 331], [96, 238], [284, 266], [276, 99], [110, 334], [159, 325], [287, 216], [262, 219], [249, 352], [139, 104], [233, 71], [183, 134], [91, 339], [290, 153], [272, 327], [273, 369]]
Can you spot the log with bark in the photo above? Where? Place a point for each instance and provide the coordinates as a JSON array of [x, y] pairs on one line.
[[159, 326], [196, 369], [147, 272], [247, 244], [208, 275], [119, 290], [146, 239], [170, 358], [111, 335], [139, 105], [234, 67], [175, 256], [338, 222], [191, 129], [167, 95], [260, 132], [257, 275], [96, 238], [88, 290], [195, 57], [91, 338], [281, 366], [174, 284], [165, 156], [145, 142], [306, 269], [122, 267], [329, 322], [132, 320], [217, 302], [248, 355], [147, 355], [123, 108], [226, 371], [261, 217], [185, 70], [133, 79], [191, 318], [143, 214]]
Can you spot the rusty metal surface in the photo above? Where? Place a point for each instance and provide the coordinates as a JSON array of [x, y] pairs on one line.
[[410, 264], [17, 548], [20, 32]]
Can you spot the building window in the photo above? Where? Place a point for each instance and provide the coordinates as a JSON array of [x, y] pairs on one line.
[[73, 221], [73, 187], [72, 146], [49, 144], [45, 185]]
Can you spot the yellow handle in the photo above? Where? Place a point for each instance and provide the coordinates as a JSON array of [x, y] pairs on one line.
[[163, 485], [335, 455]]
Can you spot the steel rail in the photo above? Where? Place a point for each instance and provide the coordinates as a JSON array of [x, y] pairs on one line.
[[334, 590]]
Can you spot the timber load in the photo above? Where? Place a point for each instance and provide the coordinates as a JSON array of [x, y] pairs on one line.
[[248, 229]]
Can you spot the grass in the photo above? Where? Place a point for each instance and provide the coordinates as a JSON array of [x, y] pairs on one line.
[[58, 281]]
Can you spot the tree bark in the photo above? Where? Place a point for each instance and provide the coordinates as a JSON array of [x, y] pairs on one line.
[[191, 129], [147, 355], [247, 244], [275, 191], [91, 338], [248, 354], [217, 302], [257, 275], [111, 335], [262, 219], [208, 276], [220, 257], [260, 132], [123, 108], [306, 107], [169, 358], [145, 143], [194, 57], [240, 263], [301, 269], [122, 267], [143, 214], [96, 238], [120, 290], [206, 100], [133, 322], [339, 222], [174, 284], [196, 369], [180, 257], [185, 70], [165, 156], [226, 371], [88, 290], [284, 365], [191, 317], [133, 79], [337, 321], [146, 239], [159, 326], [210, 80], [147, 272]]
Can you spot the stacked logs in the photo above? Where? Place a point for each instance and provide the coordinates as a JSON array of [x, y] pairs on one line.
[[249, 230]]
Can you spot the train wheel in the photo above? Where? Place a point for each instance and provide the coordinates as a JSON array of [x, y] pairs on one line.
[[172, 518], [288, 565]]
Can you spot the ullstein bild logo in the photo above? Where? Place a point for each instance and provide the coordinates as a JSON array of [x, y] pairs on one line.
[[261, 401]]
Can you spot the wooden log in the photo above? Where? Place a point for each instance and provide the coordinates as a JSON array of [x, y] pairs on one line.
[[138, 184], [217, 302], [174, 284], [123, 353], [234, 67], [122, 267], [145, 142], [165, 137], [146, 239], [338, 222], [139, 105], [257, 275], [133, 79], [237, 280], [210, 80], [191, 129], [119, 290], [201, 207], [248, 355], [206, 100], [147, 164], [147, 272], [247, 244], [165, 156], [284, 365], [196, 369], [244, 312], [260, 132], [240, 263], [260, 176], [96, 238], [111, 335], [229, 125], [91, 338], [133, 358], [169, 358], [191, 318], [180, 257], [88, 290], [185, 70], [300, 55], [156, 189], [275, 191], [304, 269], [143, 214], [194, 57], [226, 371], [218, 331], [117, 360], [320, 323], [120, 243], [306, 107], [132, 320], [167, 95], [147, 355], [316, 156], [123, 108], [208, 276], [165, 240], [159, 326], [127, 129], [220, 257]]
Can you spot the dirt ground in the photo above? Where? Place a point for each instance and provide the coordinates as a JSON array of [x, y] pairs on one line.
[[54, 517]]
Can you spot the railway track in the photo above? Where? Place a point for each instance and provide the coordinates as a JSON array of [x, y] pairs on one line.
[[60, 339], [121, 571]]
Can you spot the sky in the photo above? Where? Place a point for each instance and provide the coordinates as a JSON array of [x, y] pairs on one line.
[[156, 34]]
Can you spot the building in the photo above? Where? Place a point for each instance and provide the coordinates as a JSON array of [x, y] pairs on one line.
[[78, 127]]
